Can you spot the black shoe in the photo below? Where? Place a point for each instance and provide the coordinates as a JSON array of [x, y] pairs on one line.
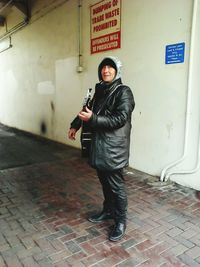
[[100, 217], [118, 232]]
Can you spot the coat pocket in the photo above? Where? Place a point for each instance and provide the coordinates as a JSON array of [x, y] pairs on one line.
[[112, 153]]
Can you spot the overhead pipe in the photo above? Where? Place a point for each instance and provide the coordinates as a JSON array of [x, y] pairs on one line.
[[165, 176], [14, 29], [9, 46], [80, 66], [17, 27], [3, 50], [3, 7]]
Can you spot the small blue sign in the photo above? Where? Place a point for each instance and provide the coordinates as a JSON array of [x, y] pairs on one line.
[[174, 53]]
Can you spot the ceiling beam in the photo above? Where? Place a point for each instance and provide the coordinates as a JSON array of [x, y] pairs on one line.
[[23, 5]]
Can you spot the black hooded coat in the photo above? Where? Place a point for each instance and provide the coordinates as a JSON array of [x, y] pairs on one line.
[[110, 123]]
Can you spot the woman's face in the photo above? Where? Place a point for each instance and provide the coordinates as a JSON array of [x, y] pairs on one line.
[[108, 73]]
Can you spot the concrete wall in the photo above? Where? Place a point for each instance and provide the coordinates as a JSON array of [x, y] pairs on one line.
[[39, 84], [187, 172], [40, 88]]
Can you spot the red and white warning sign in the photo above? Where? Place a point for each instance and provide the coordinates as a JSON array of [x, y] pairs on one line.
[[105, 25]]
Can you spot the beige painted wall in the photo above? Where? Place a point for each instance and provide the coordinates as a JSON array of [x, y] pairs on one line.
[[39, 83]]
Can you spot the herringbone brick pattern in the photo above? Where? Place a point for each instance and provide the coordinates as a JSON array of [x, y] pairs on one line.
[[43, 219]]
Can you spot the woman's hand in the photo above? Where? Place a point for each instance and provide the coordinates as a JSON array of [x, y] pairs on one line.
[[85, 115], [72, 134]]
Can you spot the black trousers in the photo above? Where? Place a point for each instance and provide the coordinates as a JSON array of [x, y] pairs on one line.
[[115, 197]]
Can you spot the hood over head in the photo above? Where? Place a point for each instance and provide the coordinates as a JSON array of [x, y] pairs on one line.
[[113, 62]]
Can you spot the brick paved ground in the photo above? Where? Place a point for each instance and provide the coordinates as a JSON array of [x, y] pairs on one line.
[[44, 205]]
